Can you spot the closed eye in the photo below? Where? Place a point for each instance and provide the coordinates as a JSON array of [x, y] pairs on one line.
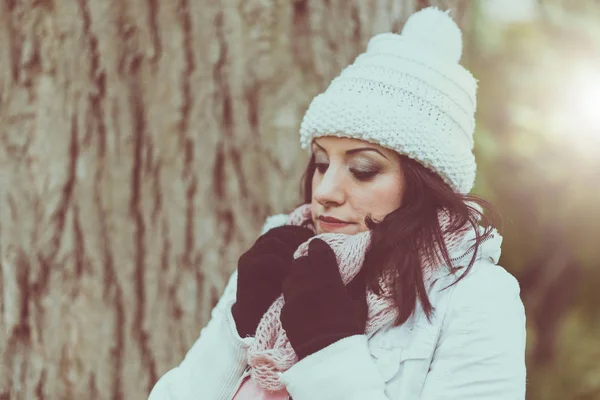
[[363, 175], [358, 174]]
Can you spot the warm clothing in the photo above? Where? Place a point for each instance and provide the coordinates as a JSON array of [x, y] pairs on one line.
[[272, 353], [407, 92], [319, 310], [473, 348], [261, 271]]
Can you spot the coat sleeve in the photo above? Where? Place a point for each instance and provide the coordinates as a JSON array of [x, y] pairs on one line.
[[216, 361], [481, 350]]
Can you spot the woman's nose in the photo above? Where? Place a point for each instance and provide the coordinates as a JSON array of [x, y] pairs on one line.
[[330, 189]]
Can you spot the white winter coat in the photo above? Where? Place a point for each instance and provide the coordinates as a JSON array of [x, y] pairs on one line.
[[473, 349]]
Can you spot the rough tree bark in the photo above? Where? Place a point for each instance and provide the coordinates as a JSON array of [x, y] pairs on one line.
[[142, 145]]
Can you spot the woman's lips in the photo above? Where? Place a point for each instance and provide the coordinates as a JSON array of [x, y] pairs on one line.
[[330, 226]]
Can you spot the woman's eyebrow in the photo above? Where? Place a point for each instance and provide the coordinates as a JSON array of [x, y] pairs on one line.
[[355, 150]]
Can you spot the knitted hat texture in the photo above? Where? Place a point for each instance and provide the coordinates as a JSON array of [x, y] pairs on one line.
[[407, 92]]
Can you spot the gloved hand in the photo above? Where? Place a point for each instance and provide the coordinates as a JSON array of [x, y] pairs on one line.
[[319, 310], [261, 271]]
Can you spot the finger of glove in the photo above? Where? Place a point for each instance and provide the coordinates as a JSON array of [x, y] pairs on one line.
[[323, 261], [322, 315], [263, 273], [319, 249], [357, 286], [318, 269], [357, 290], [269, 246], [299, 275], [361, 308], [277, 241], [293, 235], [307, 279]]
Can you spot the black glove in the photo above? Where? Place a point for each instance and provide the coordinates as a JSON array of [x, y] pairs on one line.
[[261, 271], [318, 309]]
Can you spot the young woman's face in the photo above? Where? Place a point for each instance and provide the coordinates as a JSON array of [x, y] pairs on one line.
[[354, 178]]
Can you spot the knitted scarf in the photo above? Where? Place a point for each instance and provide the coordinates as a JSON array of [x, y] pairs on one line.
[[271, 353]]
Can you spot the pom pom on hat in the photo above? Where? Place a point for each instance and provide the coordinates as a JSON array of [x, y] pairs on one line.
[[434, 28]]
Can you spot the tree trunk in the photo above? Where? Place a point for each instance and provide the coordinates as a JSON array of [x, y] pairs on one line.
[[142, 145]]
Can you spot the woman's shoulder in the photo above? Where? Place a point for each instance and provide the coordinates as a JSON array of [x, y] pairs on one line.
[[487, 286]]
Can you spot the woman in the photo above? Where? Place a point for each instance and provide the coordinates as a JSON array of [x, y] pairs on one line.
[[382, 284]]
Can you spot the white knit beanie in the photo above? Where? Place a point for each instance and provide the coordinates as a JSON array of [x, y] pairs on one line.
[[407, 93]]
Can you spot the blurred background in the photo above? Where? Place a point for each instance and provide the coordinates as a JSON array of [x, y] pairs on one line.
[[143, 144], [538, 150]]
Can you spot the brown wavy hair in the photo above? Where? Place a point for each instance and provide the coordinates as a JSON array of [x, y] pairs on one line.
[[414, 229]]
